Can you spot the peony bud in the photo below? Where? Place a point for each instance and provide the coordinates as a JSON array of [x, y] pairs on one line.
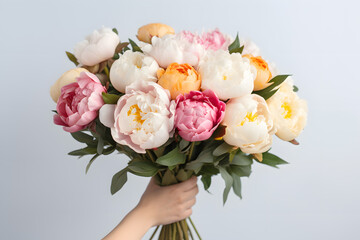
[[145, 33]]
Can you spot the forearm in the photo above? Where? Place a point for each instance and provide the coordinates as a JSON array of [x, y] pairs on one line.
[[132, 227]]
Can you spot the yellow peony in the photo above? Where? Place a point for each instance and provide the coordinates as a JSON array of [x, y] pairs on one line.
[[145, 33], [263, 75], [65, 79], [179, 79]]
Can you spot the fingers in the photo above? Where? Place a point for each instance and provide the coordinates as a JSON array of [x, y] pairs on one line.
[[188, 184], [190, 194]]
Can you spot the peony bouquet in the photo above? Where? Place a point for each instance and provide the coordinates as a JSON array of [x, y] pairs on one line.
[[178, 105]]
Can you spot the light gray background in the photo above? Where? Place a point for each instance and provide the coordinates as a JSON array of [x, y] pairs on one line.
[[45, 194]]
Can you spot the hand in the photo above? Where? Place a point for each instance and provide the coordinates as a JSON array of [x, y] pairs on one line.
[[164, 205], [158, 205]]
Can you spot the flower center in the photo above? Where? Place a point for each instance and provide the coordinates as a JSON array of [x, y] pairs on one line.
[[136, 111], [250, 117], [224, 77], [287, 110]]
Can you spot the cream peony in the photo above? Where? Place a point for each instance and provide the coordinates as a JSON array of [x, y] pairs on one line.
[[97, 47], [228, 75], [143, 118], [248, 124], [132, 67], [174, 48], [65, 79], [249, 47], [288, 110]]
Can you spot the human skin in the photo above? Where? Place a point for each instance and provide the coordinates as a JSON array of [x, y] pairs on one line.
[[157, 206]]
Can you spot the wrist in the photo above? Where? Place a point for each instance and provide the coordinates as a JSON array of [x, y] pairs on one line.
[[145, 213]]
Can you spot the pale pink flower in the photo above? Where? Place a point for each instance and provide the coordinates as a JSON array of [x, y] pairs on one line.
[[198, 114], [213, 40], [79, 103]]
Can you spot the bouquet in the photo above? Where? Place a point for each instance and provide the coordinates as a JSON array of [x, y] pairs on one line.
[[178, 105]]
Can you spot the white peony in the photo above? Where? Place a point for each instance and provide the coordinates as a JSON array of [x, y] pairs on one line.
[[97, 47], [132, 67], [248, 124], [249, 47], [174, 49], [288, 110], [143, 118], [228, 75]]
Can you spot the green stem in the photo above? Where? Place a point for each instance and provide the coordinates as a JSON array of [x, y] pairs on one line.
[[173, 231], [180, 231], [192, 224], [191, 151], [183, 226], [106, 70], [192, 237], [156, 229], [148, 152]]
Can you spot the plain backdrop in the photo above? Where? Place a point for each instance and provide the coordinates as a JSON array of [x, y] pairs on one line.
[[45, 193]]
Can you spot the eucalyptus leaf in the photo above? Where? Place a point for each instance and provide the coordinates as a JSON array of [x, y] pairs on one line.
[[118, 181], [134, 46], [90, 162], [241, 171], [206, 180], [83, 138], [83, 151], [108, 150], [143, 168], [172, 158], [236, 184], [183, 145], [72, 58], [241, 159], [110, 98], [204, 157], [222, 149], [100, 145], [272, 160], [228, 183]]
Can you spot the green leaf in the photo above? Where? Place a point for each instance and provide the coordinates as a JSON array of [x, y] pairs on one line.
[[204, 157], [266, 93], [143, 168], [238, 50], [222, 149], [83, 138], [72, 58], [120, 47], [234, 45], [118, 181], [90, 162], [83, 151], [115, 31], [241, 171], [236, 184], [228, 182], [272, 160], [110, 98], [135, 47], [206, 180], [168, 178], [183, 145], [295, 89], [108, 150], [54, 111], [241, 159], [100, 145], [172, 158], [183, 175]]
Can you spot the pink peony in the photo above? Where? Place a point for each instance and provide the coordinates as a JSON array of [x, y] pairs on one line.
[[198, 114], [79, 102], [213, 40]]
